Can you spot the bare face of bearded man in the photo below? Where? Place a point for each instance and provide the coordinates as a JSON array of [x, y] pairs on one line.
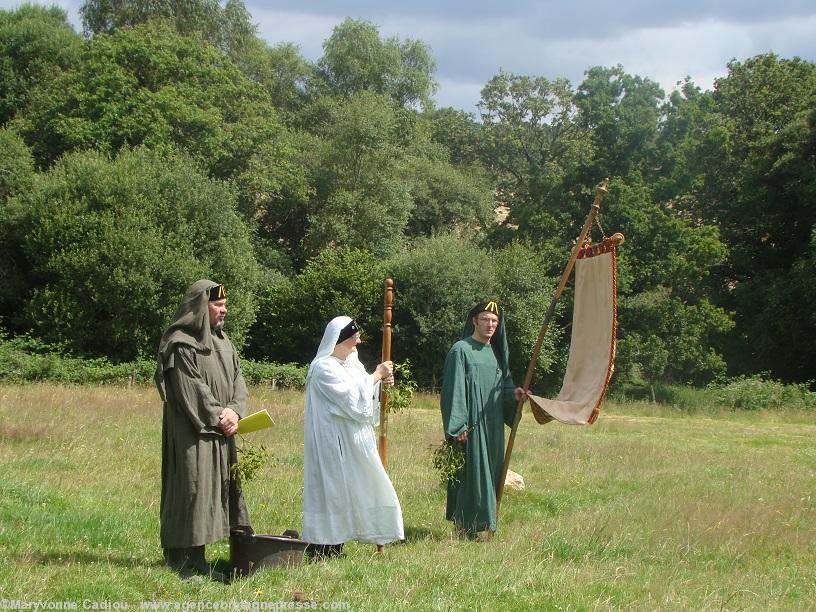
[[218, 311]]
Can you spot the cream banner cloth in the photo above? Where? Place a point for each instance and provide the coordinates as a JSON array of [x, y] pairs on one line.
[[592, 348]]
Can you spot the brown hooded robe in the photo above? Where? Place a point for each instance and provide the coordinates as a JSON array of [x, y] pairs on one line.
[[198, 375]]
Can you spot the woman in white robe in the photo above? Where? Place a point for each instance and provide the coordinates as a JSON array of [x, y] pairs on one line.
[[347, 492]]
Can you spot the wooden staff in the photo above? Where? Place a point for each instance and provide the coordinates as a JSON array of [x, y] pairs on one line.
[[600, 192], [388, 299], [386, 356]]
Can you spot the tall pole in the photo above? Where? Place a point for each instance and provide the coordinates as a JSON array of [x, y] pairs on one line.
[[388, 299], [600, 192]]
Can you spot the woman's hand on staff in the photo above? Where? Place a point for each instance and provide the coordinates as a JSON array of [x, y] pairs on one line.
[[384, 372]]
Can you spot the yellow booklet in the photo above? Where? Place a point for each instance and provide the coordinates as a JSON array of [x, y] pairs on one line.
[[254, 422]]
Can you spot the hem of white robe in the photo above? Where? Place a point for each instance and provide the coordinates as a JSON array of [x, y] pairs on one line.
[[392, 533], [370, 539]]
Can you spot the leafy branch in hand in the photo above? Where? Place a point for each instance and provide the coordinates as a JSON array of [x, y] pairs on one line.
[[251, 459], [402, 391], [448, 459]]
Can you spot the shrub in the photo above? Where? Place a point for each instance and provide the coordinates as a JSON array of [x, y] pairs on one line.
[[757, 393], [436, 283], [26, 359], [442, 277], [293, 313], [108, 247], [288, 375]]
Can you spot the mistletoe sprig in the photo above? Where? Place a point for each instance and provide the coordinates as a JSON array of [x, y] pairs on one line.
[[401, 393], [448, 459], [251, 459]]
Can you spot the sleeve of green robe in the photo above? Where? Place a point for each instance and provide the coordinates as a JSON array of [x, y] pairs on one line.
[[239, 390], [454, 394], [191, 395], [509, 400]]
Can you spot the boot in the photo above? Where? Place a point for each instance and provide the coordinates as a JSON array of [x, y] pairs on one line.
[[178, 559], [200, 565], [190, 563]]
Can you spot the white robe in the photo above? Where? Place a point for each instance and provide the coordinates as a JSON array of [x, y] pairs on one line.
[[347, 492]]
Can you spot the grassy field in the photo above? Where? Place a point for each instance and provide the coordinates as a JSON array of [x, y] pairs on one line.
[[647, 509]]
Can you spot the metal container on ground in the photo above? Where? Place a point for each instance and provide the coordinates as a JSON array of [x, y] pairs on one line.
[[251, 551]]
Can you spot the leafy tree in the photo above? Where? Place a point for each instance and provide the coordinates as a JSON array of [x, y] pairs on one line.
[[441, 277], [36, 45], [228, 28], [150, 85], [526, 294], [542, 140], [16, 177], [107, 248], [436, 282], [104, 16], [356, 59], [237, 35], [458, 132], [662, 268], [761, 180], [286, 77], [749, 167], [687, 123], [360, 199], [16, 165], [621, 111], [447, 198], [533, 143], [671, 340], [451, 189], [275, 190]]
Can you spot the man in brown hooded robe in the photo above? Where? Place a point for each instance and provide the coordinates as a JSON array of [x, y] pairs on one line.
[[199, 380]]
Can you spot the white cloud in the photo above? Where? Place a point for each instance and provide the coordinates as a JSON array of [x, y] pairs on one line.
[[463, 95], [664, 42], [307, 31], [700, 50]]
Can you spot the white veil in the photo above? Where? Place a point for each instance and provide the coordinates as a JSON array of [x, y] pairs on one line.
[[329, 341], [326, 348]]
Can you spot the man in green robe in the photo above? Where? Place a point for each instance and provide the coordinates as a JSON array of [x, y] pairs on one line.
[[478, 399], [204, 394]]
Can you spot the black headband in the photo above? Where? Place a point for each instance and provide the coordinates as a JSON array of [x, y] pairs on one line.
[[490, 306], [219, 292], [348, 331]]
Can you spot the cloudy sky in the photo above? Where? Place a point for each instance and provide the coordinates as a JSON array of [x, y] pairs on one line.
[[471, 41]]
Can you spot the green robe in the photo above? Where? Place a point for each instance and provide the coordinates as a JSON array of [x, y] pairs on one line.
[[199, 501], [478, 397]]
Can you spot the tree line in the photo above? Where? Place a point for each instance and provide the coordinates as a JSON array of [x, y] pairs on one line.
[[167, 143]]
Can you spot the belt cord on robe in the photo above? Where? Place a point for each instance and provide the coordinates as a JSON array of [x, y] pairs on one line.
[[388, 299], [600, 192]]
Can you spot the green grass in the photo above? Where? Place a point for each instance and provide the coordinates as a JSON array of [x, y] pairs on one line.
[[650, 508]]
